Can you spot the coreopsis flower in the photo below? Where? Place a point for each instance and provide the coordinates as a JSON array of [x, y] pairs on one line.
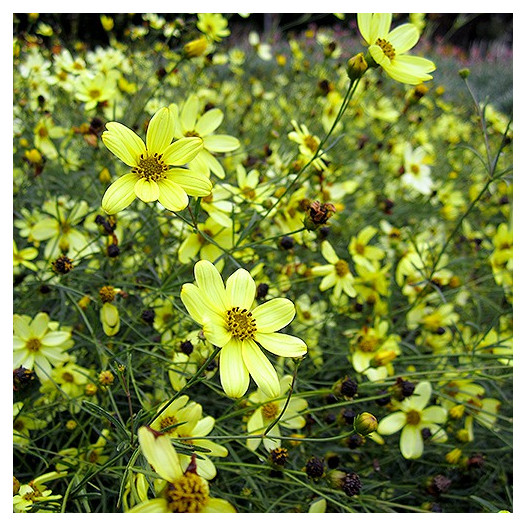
[[416, 174], [387, 48], [229, 321], [96, 89], [361, 251], [24, 423], [336, 273], [184, 419], [308, 145], [35, 492], [182, 491], [189, 122], [24, 257], [38, 345], [413, 416], [268, 409], [152, 177], [213, 25]]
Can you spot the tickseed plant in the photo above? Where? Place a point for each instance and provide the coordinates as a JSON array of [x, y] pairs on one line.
[[262, 271]]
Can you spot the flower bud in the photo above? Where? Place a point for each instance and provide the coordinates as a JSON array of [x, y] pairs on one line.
[[357, 66], [196, 48], [464, 73], [365, 423]]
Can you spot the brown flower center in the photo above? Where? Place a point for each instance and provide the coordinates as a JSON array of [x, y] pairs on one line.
[[166, 423], [151, 167], [240, 323], [413, 418], [311, 143], [386, 47], [270, 410], [188, 494], [34, 344], [342, 268]]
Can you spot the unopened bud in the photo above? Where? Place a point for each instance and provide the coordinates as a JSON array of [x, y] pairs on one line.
[[464, 73], [365, 423], [357, 66]]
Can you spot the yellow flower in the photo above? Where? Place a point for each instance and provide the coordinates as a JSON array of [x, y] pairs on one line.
[[268, 409], [184, 492], [151, 177], [387, 48], [23, 257], [230, 322], [413, 417], [213, 25], [37, 343], [336, 274], [190, 123], [183, 419]]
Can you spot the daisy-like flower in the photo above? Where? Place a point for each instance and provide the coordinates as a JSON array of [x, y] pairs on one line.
[[184, 419], [412, 417], [229, 321], [417, 174], [308, 145], [213, 25], [38, 345], [23, 257], [268, 410], [336, 273], [189, 123], [151, 177], [388, 48], [183, 492]]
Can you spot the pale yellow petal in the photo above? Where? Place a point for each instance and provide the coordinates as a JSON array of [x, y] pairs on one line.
[[146, 190], [403, 38], [233, 372], [282, 344], [211, 285], [193, 183], [160, 131], [123, 142], [411, 442], [240, 289], [120, 194], [209, 122], [260, 368], [39, 325], [273, 315], [182, 151], [171, 195], [189, 112], [392, 423], [221, 143]]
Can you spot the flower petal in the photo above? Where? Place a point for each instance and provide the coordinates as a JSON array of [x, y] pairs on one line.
[[171, 195], [215, 505], [221, 143], [211, 285], [329, 253], [240, 289], [146, 190], [39, 325], [281, 344], [21, 327], [411, 442], [120, 194], [192, 182], [160, 453], [273, 315], [182, 151], [435, 414], [260, 368], [123, 142], [392, 423], [160, 131], [421, 395], [232, 370], [209, 122], [403, 38], [189, 112], [194, 302], [52, 339]]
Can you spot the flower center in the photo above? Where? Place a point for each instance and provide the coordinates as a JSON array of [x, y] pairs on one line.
[[151, 167], [67, 377], [191, 133], [94, 93], [413, 417], [188, 494], [311, 143], [34, 344], [386, 47], [166, 423], [270, 410], [415, 169], [367, 343], [240, 323], [342, 268]]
